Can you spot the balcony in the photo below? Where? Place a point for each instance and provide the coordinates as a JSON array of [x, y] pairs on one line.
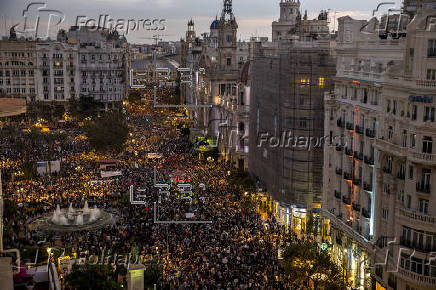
[[339, 171], [423, 157], [359, 130], [417, 278], [390, 146], [338, 194], [366, 213], [340, 123], [339, 148], [346, 200], [369, 160], [349, 151], [426, 83], [367, 186], [347, 176], [413, 215], [358, 155], [423, 187], [370, 133], [356, 206], [350, 126]]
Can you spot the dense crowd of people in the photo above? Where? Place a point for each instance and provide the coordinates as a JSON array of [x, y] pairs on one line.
[[237, 250]]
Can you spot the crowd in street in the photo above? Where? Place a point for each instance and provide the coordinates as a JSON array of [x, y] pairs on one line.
[[237, 250]]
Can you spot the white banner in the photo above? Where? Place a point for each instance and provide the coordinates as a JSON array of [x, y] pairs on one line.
[[106, 174]]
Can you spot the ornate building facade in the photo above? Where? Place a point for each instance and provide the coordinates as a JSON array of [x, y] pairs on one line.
[[218, 60], [377, 197]]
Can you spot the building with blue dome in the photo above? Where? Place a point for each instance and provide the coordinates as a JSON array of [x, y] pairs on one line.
[[214, 25]]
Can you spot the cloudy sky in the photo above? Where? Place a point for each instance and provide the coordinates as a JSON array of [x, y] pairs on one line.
[[254, 17]]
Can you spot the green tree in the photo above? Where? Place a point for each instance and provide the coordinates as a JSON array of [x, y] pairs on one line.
[[310, 267], [108, 133], [84, 277], [83, 107]]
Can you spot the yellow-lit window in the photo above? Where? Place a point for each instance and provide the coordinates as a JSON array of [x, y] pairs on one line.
[[305, 82], [321, 82]]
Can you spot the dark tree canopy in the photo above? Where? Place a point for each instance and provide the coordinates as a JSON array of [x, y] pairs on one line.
[[108, 133], [83, 277], [306, 264]]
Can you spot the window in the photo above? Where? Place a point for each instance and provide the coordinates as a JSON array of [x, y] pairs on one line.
[[431, 74], [321, 82], [409, 201], [412, 140], [431, 50], [410, 172], [402, 172], [429, 113], [386, 188], [303, 123], [426, 177], [423, 206], [305, 81], [229, 61], [385, 214], [390, 133], [388, 106], [414, 112], [400, 196], [404, 140], [427, 145], [229, 38]]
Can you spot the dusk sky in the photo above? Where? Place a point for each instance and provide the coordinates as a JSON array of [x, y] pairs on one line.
[[254, 17]]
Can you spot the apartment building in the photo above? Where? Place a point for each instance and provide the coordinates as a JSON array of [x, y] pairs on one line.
[[57, 71], [17, 68], [352, 117], [377, 197], [80, 63], [102, 64], [405, 208]]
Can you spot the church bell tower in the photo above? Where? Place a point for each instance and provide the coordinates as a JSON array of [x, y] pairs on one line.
[[227, 39]]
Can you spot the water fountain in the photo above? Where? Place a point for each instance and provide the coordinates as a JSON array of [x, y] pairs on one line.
[[86, 208], [79, 220], [73, 219]]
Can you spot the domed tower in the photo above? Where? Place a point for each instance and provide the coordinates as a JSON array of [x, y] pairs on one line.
[[227, 29], [214, 33]]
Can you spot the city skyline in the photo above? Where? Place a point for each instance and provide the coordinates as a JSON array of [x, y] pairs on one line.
[[254, 17]]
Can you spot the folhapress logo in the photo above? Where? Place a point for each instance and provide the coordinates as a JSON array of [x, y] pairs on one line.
[[123, 26], [38, 20]]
